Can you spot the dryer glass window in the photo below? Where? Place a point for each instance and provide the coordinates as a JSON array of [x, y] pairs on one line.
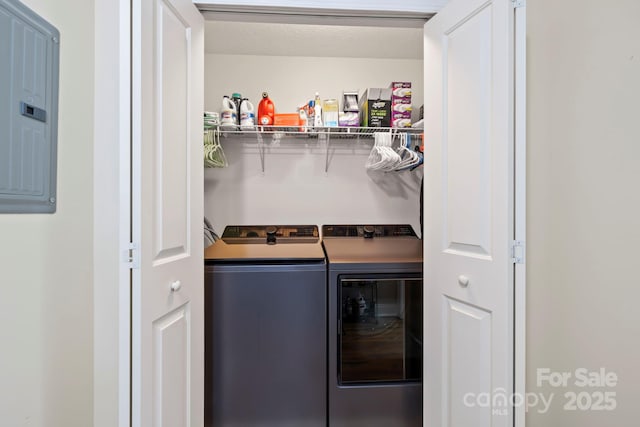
[[380, 329]]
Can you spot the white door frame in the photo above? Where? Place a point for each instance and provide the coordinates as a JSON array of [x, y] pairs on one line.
[[520, 204], [112, 207], [111, 186]]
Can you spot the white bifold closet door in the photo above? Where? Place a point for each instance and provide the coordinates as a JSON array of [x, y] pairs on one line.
[[468, 214], [167, 206]]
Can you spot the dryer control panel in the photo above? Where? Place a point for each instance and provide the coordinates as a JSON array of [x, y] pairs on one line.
[[368, 231]]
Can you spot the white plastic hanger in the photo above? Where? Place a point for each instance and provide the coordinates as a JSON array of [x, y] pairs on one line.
[[383, 156], [213, 153]]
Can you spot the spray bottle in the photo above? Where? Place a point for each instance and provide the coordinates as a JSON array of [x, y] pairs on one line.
[[317, 112]]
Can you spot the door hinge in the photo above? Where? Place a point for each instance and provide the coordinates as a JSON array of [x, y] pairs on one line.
[[517, 251], [131, 256], [518, 3]]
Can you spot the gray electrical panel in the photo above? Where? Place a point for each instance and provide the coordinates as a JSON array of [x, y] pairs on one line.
[[29, 62]]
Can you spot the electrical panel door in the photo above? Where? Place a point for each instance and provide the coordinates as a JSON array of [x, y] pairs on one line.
[[29, 53]]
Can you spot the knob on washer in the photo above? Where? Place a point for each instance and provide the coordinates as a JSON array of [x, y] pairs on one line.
[[369, 231], [271, 235]]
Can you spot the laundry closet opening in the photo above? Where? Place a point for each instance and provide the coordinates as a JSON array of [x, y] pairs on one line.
[[306, 180]]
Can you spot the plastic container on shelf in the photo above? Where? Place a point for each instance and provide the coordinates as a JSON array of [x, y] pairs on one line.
[[247, 114], [287, 119], [317, 115], [228, 114], [330, 112], [304, 119], [266, 110], [237, 100]]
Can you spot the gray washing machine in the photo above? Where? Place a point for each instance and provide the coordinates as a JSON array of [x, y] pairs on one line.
[[265, 328], [375, 325]]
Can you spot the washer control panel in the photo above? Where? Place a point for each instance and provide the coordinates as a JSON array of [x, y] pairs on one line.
[[270, 234]]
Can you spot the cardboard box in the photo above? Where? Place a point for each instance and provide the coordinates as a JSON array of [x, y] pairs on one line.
[[375, 106], [286, 119], [349, 118], [401, 110], [400, 91], [350, 101], [401, 123], [400, 115], [400, 85], [401, 106]]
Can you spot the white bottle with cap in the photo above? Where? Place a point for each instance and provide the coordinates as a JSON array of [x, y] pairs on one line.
[[247, 114], [317, 111], [228, 114]]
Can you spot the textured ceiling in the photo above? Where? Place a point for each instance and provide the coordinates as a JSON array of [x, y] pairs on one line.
[[257, 38]]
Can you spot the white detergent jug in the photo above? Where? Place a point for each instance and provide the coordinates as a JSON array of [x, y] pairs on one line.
[[228, 114], [247, 114]]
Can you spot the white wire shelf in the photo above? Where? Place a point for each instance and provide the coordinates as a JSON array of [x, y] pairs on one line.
[[323, 135], [340, 132]]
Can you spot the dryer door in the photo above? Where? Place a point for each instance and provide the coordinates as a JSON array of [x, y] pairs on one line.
[[380, 329]]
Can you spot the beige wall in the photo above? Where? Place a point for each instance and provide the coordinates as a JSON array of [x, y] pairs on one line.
[[45, 260], [299, 169], [583, 226], [583, 202]]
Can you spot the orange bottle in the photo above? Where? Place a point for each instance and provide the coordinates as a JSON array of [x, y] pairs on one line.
[[266, 110]]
